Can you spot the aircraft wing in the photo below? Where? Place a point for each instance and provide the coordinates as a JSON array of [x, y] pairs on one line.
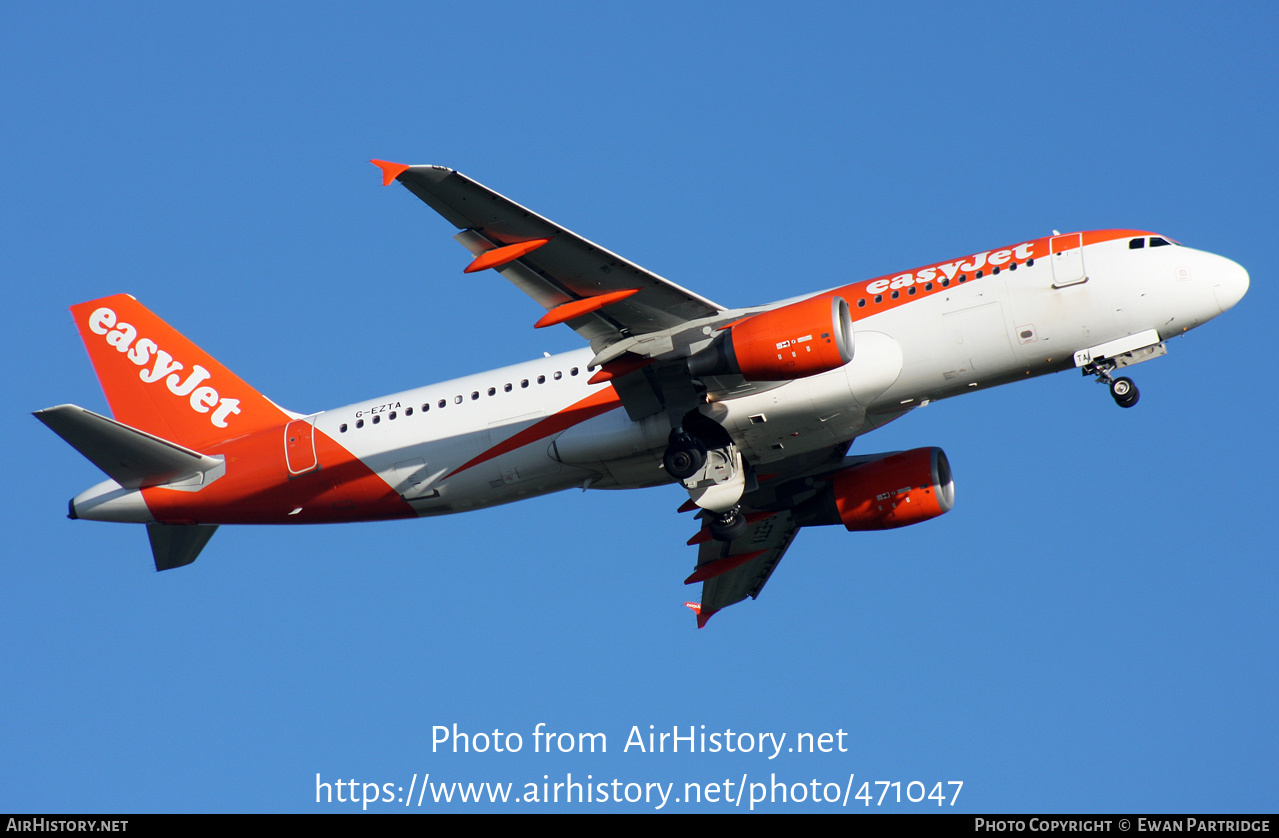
[[602, 296], [733, 570]]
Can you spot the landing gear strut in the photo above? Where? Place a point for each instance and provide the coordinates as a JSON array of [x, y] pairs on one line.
[[702, 456], [1122, 390]]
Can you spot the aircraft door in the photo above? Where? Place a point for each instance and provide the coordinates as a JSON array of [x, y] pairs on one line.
[[299, 446], [1067, 255]]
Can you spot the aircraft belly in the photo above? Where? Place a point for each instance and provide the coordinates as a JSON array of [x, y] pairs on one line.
[[804, 415], [512, 477], [610, 437]]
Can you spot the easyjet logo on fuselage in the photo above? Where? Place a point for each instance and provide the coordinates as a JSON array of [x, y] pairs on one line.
[[157, 364], [949, 270]]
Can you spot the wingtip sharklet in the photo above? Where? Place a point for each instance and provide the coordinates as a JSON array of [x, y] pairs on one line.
[[702, 617], [390, 171]]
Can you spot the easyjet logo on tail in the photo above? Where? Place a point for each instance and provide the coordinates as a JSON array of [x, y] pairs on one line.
[[157, 365]]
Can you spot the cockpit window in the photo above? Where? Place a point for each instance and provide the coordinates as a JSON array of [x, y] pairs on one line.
[[1155, 241], [1136, 244]]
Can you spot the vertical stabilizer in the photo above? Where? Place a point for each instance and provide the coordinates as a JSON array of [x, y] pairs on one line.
[[160, 382]]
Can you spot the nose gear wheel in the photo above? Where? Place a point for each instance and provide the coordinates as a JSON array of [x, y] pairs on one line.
[[1122, 389]]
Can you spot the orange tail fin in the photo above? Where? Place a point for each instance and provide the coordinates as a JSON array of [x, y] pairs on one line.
[[159, 382]]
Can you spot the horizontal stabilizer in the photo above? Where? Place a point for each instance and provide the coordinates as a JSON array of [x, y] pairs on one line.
[[135, 459], [175, 545]]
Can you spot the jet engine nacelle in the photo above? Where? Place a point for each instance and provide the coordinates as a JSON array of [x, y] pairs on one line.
[[794, 341], [894, 491]]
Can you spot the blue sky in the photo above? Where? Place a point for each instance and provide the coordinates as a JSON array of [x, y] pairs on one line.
[[1092, 628]]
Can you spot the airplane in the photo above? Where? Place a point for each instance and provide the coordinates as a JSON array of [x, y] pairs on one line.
[[752, 411]]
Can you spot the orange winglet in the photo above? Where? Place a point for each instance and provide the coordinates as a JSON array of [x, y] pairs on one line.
[[696, 608], [499, 256], [578, 308], [721, 566], [615, 369], [390, 171]]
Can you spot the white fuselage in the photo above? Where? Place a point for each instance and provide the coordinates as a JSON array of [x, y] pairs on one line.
[[986, 331]]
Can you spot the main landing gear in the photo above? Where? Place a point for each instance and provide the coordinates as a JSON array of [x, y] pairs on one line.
[[685, 455], [1122, 390], [725, 526], [711, 469]]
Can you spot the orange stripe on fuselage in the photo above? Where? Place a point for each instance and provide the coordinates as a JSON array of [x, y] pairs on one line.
[[601, 401], [257, 488], [966, 266]]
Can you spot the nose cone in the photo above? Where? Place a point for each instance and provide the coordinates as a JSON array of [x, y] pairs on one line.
[[1229, 283]]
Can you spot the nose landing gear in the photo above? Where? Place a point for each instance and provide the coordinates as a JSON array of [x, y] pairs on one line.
[[1122, 390]]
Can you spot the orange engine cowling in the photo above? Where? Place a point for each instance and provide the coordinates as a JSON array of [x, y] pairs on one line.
[[894, 491], [794, 341]]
